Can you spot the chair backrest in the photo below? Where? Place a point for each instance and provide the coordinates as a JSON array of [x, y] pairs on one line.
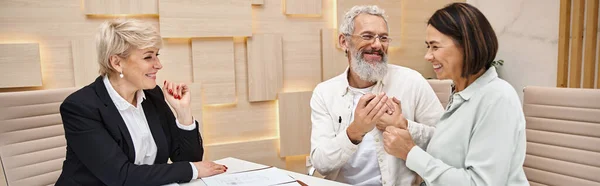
[[442, 89], [563, 136], [32, 142]]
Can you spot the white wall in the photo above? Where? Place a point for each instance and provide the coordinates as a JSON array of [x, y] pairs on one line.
[[527, 31]]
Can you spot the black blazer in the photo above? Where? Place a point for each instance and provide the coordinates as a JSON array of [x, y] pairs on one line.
[[100, 150]]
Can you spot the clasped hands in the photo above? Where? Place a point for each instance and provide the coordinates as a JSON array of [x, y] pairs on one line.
[[386, 114]]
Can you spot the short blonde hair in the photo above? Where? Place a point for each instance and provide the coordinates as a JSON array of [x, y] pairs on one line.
[[120, 36]]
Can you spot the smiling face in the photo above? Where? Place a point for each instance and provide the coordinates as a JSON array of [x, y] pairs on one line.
[[446, 57], [140, 68], [368, 58]]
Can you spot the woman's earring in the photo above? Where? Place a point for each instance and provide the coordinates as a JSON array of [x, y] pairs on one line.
[[121, 74], [346, 51]]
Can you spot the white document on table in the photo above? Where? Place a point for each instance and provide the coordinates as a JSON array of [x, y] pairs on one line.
[[262, 177]]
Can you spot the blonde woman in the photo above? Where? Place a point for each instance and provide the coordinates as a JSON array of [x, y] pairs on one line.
[[119, 129]]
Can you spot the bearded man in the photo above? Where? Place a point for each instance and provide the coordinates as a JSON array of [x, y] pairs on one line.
[[350, 111]]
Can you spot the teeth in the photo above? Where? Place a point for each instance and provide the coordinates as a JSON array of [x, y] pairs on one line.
[[437, 66], [150, 75], [374, 52]]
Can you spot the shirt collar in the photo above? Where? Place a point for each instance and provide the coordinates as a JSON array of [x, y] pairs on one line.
[[119, 101], [483, 80], [377, 88]]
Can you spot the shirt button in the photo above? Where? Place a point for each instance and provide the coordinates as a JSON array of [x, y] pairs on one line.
[[376, 139], [380, 160], [384, 182]]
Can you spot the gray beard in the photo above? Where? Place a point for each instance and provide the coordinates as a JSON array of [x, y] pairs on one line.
[[365, 71]]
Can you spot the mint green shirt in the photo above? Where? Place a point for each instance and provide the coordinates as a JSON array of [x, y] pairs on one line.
[[479, 140]]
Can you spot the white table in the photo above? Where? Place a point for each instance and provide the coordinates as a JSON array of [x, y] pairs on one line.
[[236, 165]]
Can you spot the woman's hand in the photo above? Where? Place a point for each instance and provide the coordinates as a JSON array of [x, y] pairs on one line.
[[397, 142], [395, 118], [179, 97], [209, 168]]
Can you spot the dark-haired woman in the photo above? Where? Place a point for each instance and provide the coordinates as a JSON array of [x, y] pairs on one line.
[[480, 139]]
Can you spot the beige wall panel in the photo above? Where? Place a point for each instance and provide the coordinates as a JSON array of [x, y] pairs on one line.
[[265, 67], [207, 18], [258, 2], [239, 122], [57, 64], [269, 18], [45, 21], [301, 61], [98, 7], [301, 41], [213, 63], [294, 123], [85, 57], [244, 120], [176, 58], [197, 104], [303, 7], [392, 9], [20, 65], [333, 59], [34, 20], [263, 151]]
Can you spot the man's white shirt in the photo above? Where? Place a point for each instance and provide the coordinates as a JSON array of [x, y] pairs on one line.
[[332, 105], [362, 169]]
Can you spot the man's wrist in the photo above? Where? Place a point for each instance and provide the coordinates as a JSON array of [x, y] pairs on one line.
[[355, 135]]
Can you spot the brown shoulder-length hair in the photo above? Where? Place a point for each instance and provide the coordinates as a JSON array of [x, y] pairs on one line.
[[471, 31]]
